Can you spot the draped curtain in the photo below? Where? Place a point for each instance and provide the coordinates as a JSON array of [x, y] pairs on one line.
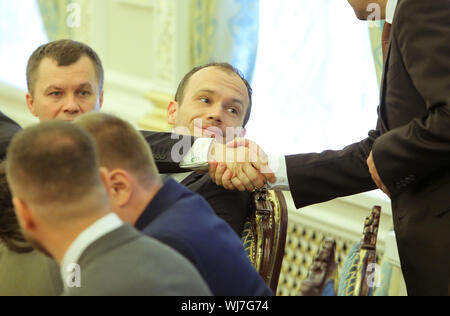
[[56, 13], [54, 16], [375, 31], [224, 31]]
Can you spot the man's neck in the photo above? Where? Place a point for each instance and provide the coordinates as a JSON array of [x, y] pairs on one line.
[[63, 237], [139, 202]]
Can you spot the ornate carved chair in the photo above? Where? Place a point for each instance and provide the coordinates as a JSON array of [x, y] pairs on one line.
[[264, 235], [323, 274], [358, 274]]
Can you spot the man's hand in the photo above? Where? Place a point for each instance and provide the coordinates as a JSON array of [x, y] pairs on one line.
[[375, 176], [240, 165]]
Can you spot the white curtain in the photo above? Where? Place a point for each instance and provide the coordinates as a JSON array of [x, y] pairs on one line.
[[21, 32], [224, 31], [315, 86]]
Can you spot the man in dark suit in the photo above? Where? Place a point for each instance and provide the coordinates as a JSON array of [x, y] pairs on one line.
[[170, 212], [8, 128], [407, 156], [62, 205]]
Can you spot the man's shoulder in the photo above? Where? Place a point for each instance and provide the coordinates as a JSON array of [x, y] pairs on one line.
[[410, 12], [28, 274], [189, 217], [5, 121], [139, 265]]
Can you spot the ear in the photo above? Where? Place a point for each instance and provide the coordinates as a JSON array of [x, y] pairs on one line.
[[104, 174], [24, 215], [101, 100], [30, 104], [172, 112], [242, 133], [120, 188]]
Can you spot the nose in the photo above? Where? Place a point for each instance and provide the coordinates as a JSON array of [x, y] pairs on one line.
[[215, 114], [71, 106]]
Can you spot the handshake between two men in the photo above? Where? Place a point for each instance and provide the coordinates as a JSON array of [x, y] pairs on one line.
[[243, 165], [239, 165]]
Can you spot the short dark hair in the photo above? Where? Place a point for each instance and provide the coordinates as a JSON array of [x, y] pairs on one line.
[[179, 96], [53, 163], [10, 233], [120, 145], [65, 53]]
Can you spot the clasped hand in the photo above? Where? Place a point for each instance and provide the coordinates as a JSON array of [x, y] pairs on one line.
[[239, 165]]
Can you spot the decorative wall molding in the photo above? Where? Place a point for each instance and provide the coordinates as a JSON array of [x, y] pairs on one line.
[[142, 4], [164, 41]]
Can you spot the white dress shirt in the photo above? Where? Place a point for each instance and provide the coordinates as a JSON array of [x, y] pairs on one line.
[[100, 228], [390, 10], [197, 159]]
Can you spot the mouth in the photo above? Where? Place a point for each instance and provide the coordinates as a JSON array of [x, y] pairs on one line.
[[209, 131]]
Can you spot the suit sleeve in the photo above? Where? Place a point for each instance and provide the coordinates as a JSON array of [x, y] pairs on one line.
[[411, 153], [316, 178], [168, 150], [8, 128]]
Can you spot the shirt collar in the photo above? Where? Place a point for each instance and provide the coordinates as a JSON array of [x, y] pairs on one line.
[[100, 228], [390, 10]]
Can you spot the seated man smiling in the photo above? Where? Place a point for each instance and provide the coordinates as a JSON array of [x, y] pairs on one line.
[[215, 101]]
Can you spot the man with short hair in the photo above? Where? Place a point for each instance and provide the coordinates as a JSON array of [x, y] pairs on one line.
[[169, 212], [61, 201], [65, 80], [213, 102]]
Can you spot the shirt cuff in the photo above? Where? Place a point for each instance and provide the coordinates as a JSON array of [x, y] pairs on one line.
[[197, 158], [278, 166], [390, 10]]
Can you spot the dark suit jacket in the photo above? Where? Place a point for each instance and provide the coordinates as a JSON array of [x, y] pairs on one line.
[[169, 149], [411, 147], [8, 128], [127, 263], [184, 221]]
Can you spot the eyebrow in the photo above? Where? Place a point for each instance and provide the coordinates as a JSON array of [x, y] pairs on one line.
[[81, 86]]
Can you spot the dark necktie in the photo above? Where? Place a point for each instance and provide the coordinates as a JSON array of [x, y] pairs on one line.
[[385, 39]]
